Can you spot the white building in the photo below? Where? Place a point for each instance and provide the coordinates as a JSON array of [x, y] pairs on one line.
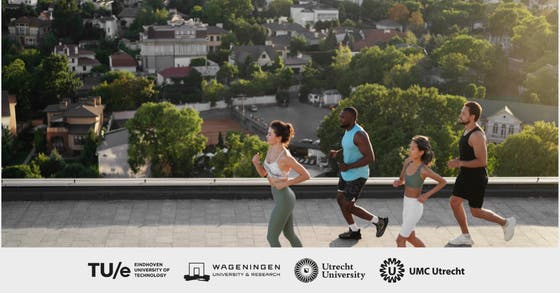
[[26, 2], [112, 155], [121, 61], [262, 55], [502, 124], [109, 24], [304, 14], [324, 98], [80, 60]]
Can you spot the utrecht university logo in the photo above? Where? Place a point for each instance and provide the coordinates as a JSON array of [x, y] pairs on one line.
[[306, 270], [392, 270], [196, 272]]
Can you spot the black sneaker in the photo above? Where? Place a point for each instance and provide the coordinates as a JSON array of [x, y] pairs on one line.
[[381, 226], [351, 234]]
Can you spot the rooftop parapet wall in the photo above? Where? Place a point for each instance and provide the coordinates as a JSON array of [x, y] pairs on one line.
[[241, 188]]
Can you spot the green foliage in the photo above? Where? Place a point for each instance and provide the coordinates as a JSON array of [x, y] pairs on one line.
[[67, 21], [543, 83], [50, 165], [17, 80], [8, 141], [198, 62], [21, 171], [532, 152], [88, 157], [77, 170], [124, 91], [392, 117], [505, 17], [40, 141], [212, 91], [166, 138], [278, 8], [533, 37], [227, 73], [54, 81], [236, 160]]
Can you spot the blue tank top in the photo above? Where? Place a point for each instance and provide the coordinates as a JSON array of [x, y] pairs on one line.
[[352, 154]]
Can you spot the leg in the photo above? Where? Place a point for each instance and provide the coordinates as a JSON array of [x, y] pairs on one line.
[[459, 213], [345, 208], [415, 240], [290, 234], [274, 227], [401, 241], [488, 215], [279, 216]]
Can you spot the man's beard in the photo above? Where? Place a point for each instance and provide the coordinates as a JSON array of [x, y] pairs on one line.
[[344, 125]]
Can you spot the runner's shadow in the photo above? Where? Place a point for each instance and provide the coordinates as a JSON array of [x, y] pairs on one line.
[[451, 245], [343, 242]]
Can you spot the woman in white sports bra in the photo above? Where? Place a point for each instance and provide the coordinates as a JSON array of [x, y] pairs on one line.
[[276, 166]]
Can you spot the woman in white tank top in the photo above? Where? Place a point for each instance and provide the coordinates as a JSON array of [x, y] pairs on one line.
[[276, 167]]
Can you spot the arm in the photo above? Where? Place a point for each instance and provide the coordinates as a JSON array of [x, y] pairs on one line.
[[290, 162], [427, 172], [256, 162], [361, 140], [400, 181]]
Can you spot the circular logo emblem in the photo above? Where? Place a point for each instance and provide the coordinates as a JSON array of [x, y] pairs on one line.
[[392, 270], [306, 270]]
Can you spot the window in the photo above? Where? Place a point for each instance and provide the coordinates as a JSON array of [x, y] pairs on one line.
[[84, 68], [510, 131], [73, 68], [495, 128], [211, 38], [503, 131], [79, 140], [263, 56]]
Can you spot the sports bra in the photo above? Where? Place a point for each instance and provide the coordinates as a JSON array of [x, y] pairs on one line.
[[415, 180], [273, 170]]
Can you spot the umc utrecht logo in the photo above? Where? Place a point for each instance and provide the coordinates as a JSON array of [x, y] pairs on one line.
[[392, 270], [306, 270]]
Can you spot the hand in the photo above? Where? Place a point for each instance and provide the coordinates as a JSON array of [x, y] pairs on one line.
[[422, 198], [455, 163], [333, 153], [256, 159], [397, 183], [343, 167]]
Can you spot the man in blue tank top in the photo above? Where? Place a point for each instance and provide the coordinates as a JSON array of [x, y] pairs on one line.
[[356, 153]]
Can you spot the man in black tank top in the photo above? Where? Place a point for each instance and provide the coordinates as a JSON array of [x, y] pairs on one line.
[[471, 183]]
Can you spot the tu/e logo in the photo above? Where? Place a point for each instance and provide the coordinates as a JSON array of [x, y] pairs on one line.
[[109, 270], [392, 270]]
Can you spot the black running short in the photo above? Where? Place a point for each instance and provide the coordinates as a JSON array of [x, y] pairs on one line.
[[351, 189], [471, 188]]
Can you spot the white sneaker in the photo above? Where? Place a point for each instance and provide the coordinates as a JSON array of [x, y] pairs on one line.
[[509, 228], [461, 240]]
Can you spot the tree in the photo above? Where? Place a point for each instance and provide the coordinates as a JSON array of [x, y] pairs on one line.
[[8, 142], [67, 21], [533, 37], [88, 157], [40, 141], [220, 140], [235, 160], [532, 152], [166, 138], [297, 44], [416, 22], [399, 13], [278, 8], [55, 82], [21, 171], [51, 164], [392, 117], [17, 80], [543, 82], [77, 170], [377, 9], [227, 73], [127, 92], [505, 17], [212, 91]]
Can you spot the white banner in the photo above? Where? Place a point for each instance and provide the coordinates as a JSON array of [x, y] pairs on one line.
[[278, 270]]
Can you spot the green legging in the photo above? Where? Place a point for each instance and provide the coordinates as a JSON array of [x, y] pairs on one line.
[[281, 218]]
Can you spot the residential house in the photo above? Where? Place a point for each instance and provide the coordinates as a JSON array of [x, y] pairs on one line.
[[309, 14], [169, 75], [263, 55], [173, 45], [80, 60], [68, 123], [112, 156], [32, 3], [121, 61], [109, 24], [388, 24], [509, 117], [9, 112], [297, 63], [209, 70], [373, 37], [29, 31], [324, 98], [127, 16], [214, 34]]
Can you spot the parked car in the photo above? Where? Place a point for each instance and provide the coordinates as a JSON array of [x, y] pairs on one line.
[[253, 108], [306, 140]]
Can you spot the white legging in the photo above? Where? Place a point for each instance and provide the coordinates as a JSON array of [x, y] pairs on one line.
[[411, 214]]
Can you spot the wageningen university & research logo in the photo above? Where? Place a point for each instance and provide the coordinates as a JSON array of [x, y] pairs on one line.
[[307, 270], [393, 270], [198, 271]]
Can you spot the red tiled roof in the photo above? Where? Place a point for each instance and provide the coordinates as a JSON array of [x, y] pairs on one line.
[[376, 36], [121, 59], [175, 72]]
